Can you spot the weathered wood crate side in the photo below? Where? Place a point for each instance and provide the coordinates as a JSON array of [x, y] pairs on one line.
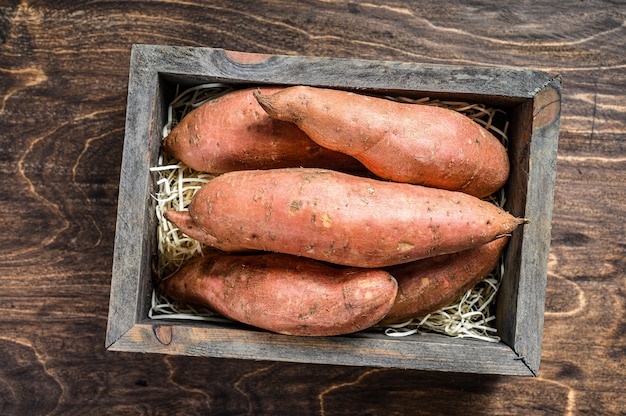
[[155, 70], [134, 241], [533, 150]]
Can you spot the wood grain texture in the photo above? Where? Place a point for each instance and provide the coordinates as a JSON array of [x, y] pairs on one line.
[[63, 82]]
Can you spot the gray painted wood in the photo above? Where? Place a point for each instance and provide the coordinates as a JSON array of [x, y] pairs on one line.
[[133, 248], [425, 352], [536, 242]]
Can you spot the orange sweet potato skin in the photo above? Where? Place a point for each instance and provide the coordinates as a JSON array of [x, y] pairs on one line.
[[285, 294], [232, 132], [402, 142], [342, 218], [429, 284]]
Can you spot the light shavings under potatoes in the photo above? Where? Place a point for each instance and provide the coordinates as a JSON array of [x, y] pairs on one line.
[[471, 315]]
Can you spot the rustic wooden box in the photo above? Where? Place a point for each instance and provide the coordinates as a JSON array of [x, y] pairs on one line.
[[532, 101]]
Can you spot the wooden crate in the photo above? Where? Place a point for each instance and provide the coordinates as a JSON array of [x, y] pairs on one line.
[[532, 102]]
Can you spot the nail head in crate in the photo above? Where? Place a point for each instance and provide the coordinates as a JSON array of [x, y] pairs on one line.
[[531, 100]]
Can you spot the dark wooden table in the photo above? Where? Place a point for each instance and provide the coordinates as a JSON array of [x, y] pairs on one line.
[[63, 82]]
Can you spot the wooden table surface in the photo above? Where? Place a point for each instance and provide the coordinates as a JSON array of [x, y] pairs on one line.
[[63, 82]]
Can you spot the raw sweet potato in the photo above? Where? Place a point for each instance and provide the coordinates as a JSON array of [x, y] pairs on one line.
[[232, 132], [340, 218], [403, 142], [429, 284], [285, 294]]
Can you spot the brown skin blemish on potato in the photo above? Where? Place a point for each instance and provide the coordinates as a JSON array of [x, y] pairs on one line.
[[330, 250], [345, 295], [194, 140], [268, 211], [437, 233], [309, 314], [405, 246], [326, 220], [294, 207]]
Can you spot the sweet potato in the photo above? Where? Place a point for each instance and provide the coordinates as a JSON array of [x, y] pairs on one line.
[[285, 294], [341, 218], [402, 142], [429, 284], [232, 132]]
